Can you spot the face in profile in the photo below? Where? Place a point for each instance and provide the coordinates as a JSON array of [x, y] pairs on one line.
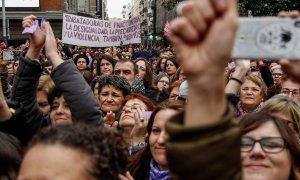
[[270, 161], [157, 137], [49, 161]]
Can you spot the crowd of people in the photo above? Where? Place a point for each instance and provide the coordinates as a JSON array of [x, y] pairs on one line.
[[187, 111]]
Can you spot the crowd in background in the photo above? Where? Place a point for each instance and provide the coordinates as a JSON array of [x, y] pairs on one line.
[[135, 112]]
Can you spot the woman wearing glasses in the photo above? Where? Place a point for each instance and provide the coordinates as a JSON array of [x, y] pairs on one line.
[[203, 141], [268, 151]]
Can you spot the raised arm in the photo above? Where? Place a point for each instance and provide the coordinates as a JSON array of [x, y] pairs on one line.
[[237, 77], [292, 68], [5, 113], [203, 38], [71, 83], [204, 133]]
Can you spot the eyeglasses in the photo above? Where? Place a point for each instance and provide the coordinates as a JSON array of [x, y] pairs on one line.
[[268, 144], [295, 92]]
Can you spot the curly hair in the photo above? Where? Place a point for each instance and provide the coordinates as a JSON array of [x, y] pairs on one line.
[[107, 149], [116, 81]]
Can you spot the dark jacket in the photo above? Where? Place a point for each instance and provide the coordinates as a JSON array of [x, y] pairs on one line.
[[68, 80], [209, 152], [5, 85]]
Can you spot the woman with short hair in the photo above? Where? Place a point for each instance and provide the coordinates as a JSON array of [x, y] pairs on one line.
[[253, 92], [112, 91]]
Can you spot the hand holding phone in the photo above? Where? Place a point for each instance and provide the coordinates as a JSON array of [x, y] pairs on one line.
[[271, 38]]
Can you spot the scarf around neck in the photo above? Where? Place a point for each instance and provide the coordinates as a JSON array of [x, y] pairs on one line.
[[156, 174], [239, 111]]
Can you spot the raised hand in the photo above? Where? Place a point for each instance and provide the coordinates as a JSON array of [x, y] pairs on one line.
[[292, 68], [51, 46], [37, 39], [203, 36], [109, 118]]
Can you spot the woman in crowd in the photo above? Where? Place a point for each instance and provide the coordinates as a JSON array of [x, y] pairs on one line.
[[44, 89], [277, 75], [112, 91], [144, 72], [267, 144], [75, 102], [171, 67], [150, 162], [161, 65], [162, 82], [179, 75], [95, 86], [174, 90], [154, 65], [94, 65], [267, 150], [82, 61], [106, 65], [57, 151], [252, 94], [285, 108], [135, 113]]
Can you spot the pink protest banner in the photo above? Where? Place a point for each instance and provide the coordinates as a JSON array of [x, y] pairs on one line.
[[83, 31]]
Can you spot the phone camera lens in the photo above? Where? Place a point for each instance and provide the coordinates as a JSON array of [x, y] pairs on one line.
[[297, 24]]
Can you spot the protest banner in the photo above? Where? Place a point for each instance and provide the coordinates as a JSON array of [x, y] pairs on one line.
[[83, 31]]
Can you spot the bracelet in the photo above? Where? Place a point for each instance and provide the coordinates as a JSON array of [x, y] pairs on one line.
[[237, 80]]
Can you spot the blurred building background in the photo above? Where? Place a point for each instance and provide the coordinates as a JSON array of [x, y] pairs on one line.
[[152, 12]]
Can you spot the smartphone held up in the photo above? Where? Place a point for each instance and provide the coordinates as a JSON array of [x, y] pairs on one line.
[[271, 38]]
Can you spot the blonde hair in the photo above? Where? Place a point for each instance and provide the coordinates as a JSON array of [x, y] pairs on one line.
[[46, 84], [282, 103]]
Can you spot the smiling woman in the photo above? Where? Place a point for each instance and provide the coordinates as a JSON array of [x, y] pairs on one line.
[[151, 160], [268, 151]]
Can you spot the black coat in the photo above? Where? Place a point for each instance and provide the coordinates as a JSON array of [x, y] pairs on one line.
[[77, 93]]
